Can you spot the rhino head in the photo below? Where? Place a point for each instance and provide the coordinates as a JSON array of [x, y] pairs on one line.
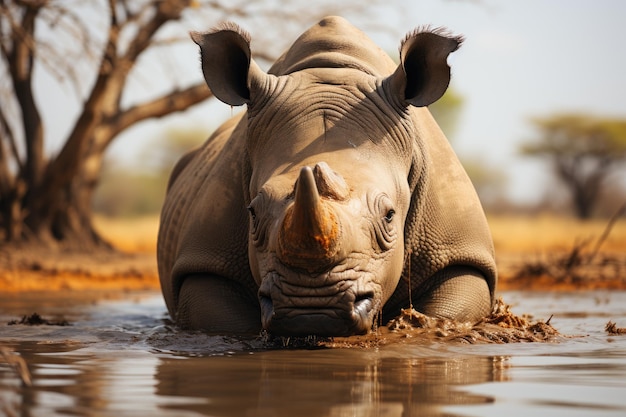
[[332, 159]]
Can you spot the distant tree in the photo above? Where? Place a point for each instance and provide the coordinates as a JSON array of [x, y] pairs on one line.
[[139, 189], [488, 180], [172, 144], [583, 150], [94, 47], [447, 110]]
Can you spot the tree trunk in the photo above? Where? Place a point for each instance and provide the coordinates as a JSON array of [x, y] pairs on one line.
[[71, 225], [49, 202], [583, 177], [74, 224], [583, 204], [64, 220], [11, 215]]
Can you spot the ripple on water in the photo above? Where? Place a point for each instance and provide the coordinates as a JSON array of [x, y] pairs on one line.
[[122, 357]]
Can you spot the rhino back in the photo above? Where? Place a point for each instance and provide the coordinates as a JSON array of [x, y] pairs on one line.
[[334, 43], [204, 223]]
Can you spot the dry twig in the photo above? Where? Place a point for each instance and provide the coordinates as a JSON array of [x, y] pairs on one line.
[[612, 329], [579, 265], [18, 364]]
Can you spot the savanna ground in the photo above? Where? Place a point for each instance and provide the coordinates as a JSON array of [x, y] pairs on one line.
[[541, 252], [533, 253]]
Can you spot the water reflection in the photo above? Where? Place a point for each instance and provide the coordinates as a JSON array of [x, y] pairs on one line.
[[79, 381], [56, 379], [119, 358], [325, 383]]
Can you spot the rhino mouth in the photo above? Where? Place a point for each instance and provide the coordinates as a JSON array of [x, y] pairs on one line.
[[340, 308]]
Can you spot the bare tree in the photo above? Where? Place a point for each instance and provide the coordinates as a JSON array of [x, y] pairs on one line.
[[47, 198], [584, 150]]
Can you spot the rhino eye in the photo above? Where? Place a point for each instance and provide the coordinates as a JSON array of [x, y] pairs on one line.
[[252, 213], [384, 228], [258, 221]]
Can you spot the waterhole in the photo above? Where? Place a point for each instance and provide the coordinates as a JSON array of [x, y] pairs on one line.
[[120, 356]]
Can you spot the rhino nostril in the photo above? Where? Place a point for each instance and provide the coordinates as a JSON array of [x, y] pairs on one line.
[[364, 296], [363, 304], [267, 310], [266, 303]]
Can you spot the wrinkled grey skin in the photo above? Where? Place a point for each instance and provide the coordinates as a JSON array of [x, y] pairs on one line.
[[310, 212]]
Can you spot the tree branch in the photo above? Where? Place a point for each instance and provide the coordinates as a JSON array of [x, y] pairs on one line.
[[105, 96], [20, 60], [172, 102], [67, 163], [5, 173], [60, 56], [164, 11], [8, 134]]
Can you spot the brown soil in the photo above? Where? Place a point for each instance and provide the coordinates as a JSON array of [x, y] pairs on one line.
[[48, 270], [131, 267], [532, 253], [559, 254]]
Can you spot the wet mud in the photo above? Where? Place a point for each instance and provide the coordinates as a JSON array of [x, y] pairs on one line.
[[612, 329], [501, 326]]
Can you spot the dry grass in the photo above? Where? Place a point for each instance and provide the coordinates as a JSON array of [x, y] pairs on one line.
[[547, 233], [134, 268], [522, 243], [560, 253], [137, 234], [511, 234], [519, 240]]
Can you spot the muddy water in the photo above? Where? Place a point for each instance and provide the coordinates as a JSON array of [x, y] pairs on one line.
[[121, 357]]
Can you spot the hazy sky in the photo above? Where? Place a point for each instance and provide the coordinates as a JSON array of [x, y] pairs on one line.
[[520, 59], [530, 58]]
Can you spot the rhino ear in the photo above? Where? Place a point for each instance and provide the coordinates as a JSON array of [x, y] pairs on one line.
[[423, 75], [227, 63]]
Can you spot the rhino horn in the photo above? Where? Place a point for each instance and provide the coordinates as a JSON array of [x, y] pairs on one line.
[[329, 183], [308, 237]]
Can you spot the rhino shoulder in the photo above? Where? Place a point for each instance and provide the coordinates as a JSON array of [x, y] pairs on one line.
[[213, 144], [181, 165]]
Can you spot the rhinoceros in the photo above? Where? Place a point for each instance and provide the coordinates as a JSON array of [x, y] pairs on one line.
[[333, 202]]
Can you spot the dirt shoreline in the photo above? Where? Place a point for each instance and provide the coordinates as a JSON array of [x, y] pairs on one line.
[[22, 271], [529, 251], [25, 271]]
